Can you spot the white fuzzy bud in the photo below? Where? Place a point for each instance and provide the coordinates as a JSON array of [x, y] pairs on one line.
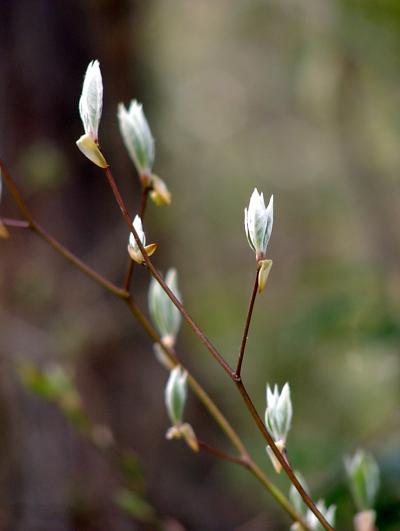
[[164, 313], [137, 137], [278, 414], [90, 108], [133, 248], [258, 221], [176, 394], [364, 477], [91, 101]]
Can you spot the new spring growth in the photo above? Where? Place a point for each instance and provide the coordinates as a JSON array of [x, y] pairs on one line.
[[278, 418], [90, 108], [258, 221], [364, 478], [307, 515], [175, 400], [176, 394], [133, 248], [139, 143], [166, 317], [3, 229]]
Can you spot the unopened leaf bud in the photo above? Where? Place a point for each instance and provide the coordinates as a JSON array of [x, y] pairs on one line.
[[258, 221], [90, 109], [133, 248], [278, 414], [364, 477], [164, 313], [91, 100], [137, 138], [176, 394]]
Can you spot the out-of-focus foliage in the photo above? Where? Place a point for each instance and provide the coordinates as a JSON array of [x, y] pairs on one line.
[[299, 98]]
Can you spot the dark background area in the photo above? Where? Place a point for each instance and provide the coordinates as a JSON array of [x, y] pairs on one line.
[[300, 98]]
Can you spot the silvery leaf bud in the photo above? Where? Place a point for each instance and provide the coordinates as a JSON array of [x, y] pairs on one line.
[[163, 311], [363, 473], [90, 108], [133, 248], [91, 101], [278, 415], [258, 221], [137, 137], [176, 394]]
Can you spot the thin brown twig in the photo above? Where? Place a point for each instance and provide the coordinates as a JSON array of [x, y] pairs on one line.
[[219, 417], [222, 455], [246, 327], [35, 227], [200, 334], [219, 358], [124, 295]]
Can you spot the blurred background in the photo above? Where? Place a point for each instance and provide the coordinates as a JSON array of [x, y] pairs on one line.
[[300, 98]]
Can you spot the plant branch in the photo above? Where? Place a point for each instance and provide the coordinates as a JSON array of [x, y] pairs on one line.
[[35, 227], [196, 329], [281, 458], [218, 357], [198, 390], [194, 384], [221, 455], [246, 327], [218, 416]]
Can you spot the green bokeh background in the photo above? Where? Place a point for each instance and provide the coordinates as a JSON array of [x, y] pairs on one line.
[[300, 98]]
